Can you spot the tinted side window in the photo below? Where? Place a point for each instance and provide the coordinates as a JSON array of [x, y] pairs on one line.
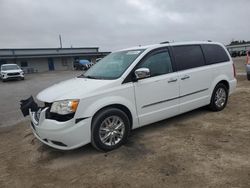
[[214, 54], [158, 63], [188, 57]]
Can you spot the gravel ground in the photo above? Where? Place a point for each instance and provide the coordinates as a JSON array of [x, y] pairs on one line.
[[196, 149]]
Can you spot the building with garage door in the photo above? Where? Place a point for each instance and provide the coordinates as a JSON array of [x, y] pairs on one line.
[[48, 59]]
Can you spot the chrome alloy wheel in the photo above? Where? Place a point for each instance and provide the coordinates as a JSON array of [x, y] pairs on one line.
[[220, 97], [111, 130]]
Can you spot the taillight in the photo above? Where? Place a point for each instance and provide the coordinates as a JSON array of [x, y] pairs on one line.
[[234, 71]]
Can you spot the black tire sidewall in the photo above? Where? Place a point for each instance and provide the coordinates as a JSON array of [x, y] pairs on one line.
[[96, 123], [213, 106]]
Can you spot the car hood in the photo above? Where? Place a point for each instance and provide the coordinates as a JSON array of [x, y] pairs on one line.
[[11, 71], [76, 88]]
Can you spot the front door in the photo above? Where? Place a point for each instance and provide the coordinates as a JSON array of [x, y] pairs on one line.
[[157, 95], [51, 64]]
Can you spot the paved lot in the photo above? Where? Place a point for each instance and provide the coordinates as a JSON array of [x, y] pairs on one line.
[[197, 149]]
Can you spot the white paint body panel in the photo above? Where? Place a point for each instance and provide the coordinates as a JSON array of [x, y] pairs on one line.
[[157, 91], [195, 89]]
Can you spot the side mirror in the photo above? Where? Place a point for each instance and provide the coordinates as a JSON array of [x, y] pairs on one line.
[[142, 73]]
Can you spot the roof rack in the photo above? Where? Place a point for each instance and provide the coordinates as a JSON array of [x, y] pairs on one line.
[[166, 42]]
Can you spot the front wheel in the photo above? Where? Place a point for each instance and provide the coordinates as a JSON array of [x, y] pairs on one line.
[[110, 129], [219, 98]]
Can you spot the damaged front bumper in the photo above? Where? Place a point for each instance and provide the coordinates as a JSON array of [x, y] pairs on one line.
[[63, 135]]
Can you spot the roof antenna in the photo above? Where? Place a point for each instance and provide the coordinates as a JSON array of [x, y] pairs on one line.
[[60, 39]]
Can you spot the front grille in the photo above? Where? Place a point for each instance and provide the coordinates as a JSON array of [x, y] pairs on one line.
[[58, 117], [46, 104], [13, 74]]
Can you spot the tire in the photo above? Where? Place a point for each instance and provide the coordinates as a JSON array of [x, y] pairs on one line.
[[248, 76], [220, 90], [106, 135]]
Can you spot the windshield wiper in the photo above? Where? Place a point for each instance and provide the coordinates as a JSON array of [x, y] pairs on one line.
[[90, 77]]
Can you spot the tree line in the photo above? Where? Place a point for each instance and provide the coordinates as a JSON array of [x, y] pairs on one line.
[[235, 42]]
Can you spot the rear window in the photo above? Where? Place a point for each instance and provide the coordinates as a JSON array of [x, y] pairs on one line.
[[189, 56], [214, 54]]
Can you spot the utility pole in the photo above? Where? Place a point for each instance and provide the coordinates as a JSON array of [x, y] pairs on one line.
[[60, 39]]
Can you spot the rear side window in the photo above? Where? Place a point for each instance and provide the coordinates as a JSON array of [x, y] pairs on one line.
[[188, 57], [214, 54]]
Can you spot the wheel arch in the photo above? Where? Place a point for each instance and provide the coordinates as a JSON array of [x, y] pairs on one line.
[[224, 82], [213, 106], [118, 106], [217, 81], [220, 79]]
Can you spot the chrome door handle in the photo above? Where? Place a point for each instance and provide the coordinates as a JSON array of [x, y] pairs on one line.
[[172, 80], [185, 77]]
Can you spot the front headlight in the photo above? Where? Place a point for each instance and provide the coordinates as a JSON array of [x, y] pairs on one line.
[[64, 107]]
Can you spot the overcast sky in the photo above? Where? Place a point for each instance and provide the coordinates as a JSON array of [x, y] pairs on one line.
[[115, 24]]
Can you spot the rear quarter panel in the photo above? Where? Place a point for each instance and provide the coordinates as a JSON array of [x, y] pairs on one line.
[[222, 71]]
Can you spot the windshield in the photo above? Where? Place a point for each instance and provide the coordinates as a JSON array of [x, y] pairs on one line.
[[113, 65], [9, 67]]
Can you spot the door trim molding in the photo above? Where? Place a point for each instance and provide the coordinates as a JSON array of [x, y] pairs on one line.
[[167, 100]]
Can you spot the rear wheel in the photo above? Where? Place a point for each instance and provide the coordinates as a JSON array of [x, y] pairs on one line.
[[219, 98], [110, 129]]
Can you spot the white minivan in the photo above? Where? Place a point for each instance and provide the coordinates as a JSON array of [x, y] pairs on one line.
[[131, 88]]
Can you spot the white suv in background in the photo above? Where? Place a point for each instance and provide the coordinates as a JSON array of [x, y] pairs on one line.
[[132, 88], [11, 71]]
